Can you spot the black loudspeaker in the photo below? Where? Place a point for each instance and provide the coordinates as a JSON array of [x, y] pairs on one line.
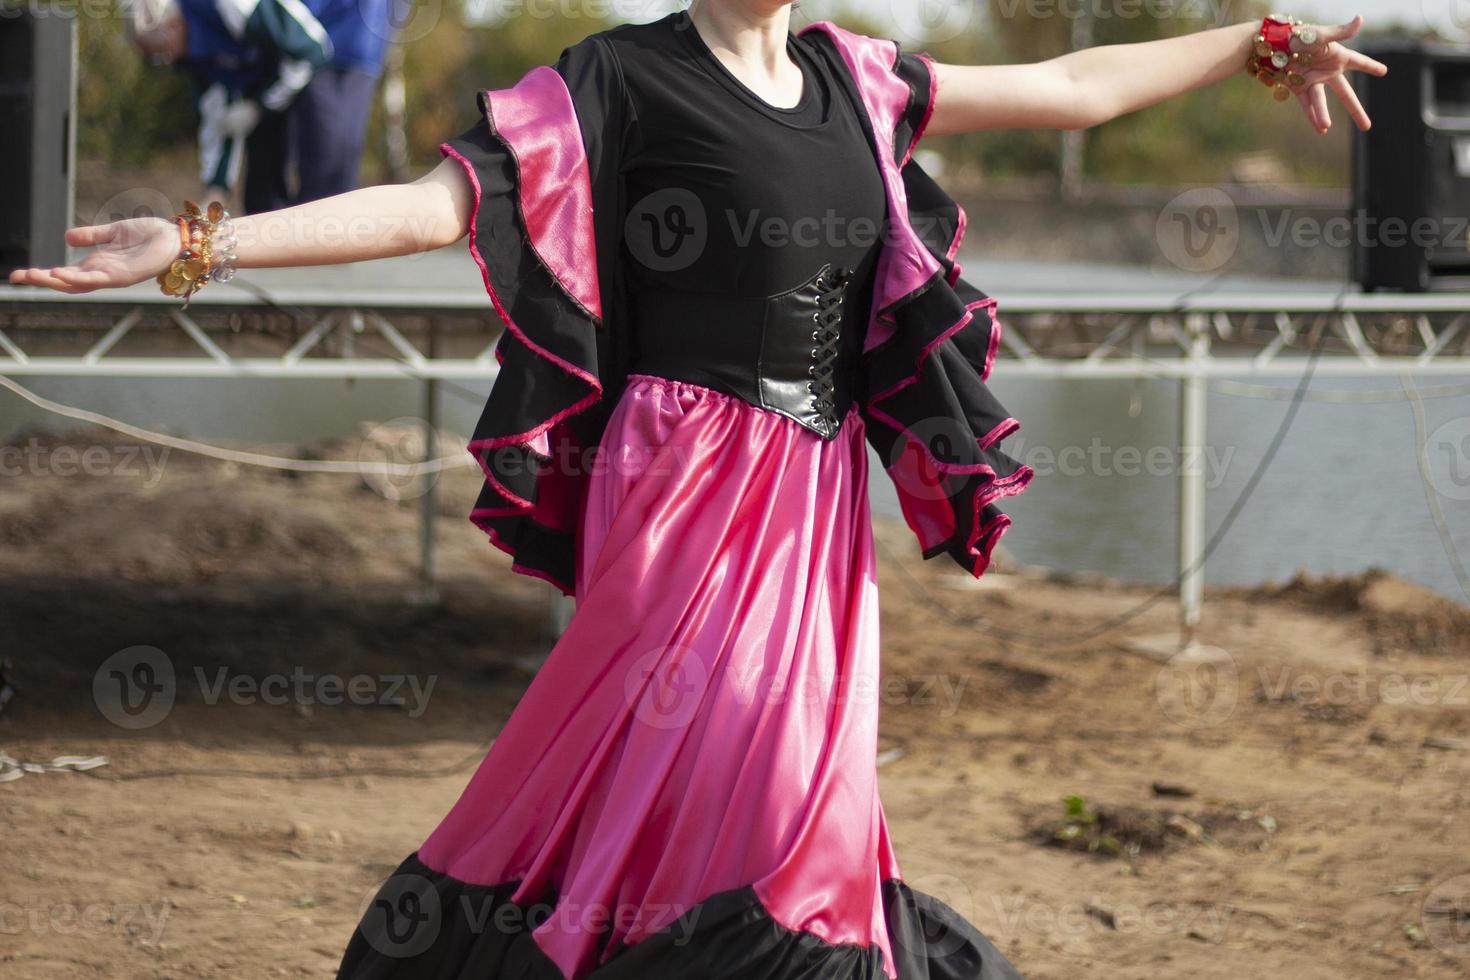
[[37, 113], [1410, 217]]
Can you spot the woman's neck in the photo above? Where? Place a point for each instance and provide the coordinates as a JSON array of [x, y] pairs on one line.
[[752, 32]]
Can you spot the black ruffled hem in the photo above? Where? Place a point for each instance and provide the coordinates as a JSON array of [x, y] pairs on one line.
[[547, 407], [933, 419], [937, 426], [425, 925], [928, 411]]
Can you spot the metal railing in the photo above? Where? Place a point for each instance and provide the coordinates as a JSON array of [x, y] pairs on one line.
[[432, 335]]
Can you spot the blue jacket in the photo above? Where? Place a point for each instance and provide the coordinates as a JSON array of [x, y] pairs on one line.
[[359, 29], [239, 39], [267, 51]]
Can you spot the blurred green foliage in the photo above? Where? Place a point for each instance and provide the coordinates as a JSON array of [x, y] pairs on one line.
[[133, 114], [445, 67], [1193, 138], [129, 113]]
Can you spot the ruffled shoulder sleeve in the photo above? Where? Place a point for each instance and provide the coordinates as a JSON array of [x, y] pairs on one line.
[[543, 159], [932, 337]]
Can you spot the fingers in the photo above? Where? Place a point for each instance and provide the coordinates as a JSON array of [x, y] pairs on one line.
[[56, 279], [90, 235], [1314, 101], [1317, 82], [1349, 99], [83, 279], [47, 278], [1313, 76], [1361, 62], [30, 277], [1319, 76], [1341, 32]]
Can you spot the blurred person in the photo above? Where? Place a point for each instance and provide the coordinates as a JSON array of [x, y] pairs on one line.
[[285, 85], [249, 61], [717, 260], [319, 138]]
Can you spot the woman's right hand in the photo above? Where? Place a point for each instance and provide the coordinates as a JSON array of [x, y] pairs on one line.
[[127, 252]]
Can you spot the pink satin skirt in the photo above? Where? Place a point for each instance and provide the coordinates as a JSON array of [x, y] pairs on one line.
[[709, 718]]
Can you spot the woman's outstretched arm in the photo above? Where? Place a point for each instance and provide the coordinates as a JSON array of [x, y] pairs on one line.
[[369, 223], [1091, 86]]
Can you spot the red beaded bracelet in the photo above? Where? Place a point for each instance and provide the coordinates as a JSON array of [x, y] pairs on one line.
[[1277, 33], [206, 251], [1273, 62]]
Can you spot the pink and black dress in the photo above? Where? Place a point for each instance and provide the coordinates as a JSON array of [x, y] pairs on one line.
[[712, 307]]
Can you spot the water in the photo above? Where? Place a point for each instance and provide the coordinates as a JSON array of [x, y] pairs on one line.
[[1343, 493]]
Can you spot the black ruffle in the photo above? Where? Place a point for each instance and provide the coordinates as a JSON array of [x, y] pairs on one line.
[[552, 397], [914, 70], [927, 409], [927, 389], [930, 415], [562, 368], [425, 925]]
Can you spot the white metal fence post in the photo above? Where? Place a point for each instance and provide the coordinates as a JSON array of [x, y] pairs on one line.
[[1192, 438]]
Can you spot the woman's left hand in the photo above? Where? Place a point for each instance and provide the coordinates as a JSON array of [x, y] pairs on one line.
[[129, 251], [1331, 60]]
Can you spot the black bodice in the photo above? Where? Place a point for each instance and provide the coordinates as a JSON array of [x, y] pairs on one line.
[[790, 354], [753, 230]]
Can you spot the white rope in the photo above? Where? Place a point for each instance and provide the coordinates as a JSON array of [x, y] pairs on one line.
[[237, 456], [12, 768], [455, 461]]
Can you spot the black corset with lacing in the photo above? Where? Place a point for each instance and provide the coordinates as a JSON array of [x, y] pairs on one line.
[[827, 345], [795, 353]]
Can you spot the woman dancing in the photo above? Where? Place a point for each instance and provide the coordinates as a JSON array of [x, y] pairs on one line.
[[721, 275]]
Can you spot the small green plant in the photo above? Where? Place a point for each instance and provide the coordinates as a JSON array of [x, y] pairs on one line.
[[1080, 823], [1077, 810]]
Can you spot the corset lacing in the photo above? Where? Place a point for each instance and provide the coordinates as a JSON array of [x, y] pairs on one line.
[[827, 341]]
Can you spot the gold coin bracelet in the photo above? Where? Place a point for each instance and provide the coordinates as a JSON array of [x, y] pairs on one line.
[[206, 251], [1273, 62]]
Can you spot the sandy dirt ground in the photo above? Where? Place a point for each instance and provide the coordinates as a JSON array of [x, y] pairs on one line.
[[1288, 801]]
